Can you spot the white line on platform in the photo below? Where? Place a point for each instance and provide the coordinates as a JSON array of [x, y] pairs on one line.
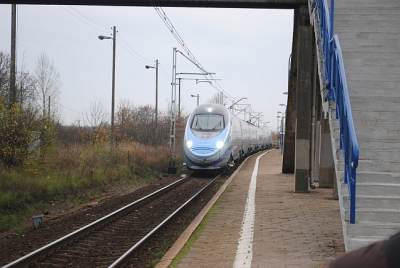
[[244, 252], [185, 236]]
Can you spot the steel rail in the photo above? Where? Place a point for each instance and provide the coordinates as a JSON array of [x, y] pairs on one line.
[[126, 255], [29, 256]]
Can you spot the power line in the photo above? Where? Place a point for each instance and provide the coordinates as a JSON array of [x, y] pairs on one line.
[[83, 19], [133, 51], [125, 43], [101, 27]]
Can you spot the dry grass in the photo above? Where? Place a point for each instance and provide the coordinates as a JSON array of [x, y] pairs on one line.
[[73, 172]]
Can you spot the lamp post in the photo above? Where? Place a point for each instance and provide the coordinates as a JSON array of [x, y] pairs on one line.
[[179, 96], [156, 107], [278, 116], [236, 102], [282, 128], [198, 98], [277, 123], [113, 37], [282, 133]]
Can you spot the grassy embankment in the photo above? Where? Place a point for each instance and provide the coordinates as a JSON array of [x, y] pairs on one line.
[[73, 174]]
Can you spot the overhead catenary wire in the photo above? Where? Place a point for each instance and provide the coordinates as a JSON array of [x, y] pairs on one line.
[[96, 26], [170, 26], [178, 37]]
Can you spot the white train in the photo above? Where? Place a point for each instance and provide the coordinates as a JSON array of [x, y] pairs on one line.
[[215, 138]]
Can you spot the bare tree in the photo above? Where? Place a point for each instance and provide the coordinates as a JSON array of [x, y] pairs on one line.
[[26, 86], [25, 82], [97, 115], [4, 75], [47, 80]]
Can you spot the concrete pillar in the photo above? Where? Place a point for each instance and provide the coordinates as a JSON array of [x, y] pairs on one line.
[[327, 169], [304, 91], [301, 18], [290, 124]]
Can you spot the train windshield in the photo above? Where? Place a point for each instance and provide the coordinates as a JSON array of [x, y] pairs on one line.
[[208, 122]]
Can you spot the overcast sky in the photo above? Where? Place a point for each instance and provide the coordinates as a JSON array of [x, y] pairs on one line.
[[248, 49]]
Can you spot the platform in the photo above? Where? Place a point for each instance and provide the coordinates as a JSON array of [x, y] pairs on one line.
[[275, 227]]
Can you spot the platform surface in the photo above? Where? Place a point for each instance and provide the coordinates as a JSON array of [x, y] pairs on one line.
[[288, 230]]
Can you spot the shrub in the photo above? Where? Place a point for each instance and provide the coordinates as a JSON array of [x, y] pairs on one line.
[[16, 126]]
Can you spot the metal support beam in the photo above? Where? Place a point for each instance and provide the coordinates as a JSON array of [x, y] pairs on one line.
[[278, 4]]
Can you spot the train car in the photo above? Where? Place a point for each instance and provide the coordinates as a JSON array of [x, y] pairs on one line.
[[215, 138]]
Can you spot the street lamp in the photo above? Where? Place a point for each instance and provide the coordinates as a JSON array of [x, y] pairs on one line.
[[198, 98], [285, 93], [236, 102], [277, 126], [113, 37], [198, 81], [156, 108], [102, 37]]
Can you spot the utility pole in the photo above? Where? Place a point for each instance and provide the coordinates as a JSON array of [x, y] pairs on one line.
[[48, 112], [179, 97], [172, 130], [278, 127], [13, 89], [156, 115], [114, 38]]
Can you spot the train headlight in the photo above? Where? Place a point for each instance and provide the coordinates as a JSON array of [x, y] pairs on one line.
[[220, 144], [189, 144]]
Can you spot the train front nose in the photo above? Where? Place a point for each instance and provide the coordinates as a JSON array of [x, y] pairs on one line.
[[204, 155]]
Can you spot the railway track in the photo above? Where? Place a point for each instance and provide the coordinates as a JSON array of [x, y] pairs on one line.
[[112, 239]]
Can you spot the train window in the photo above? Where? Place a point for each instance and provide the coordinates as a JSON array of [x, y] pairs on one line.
[[208, 122]]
